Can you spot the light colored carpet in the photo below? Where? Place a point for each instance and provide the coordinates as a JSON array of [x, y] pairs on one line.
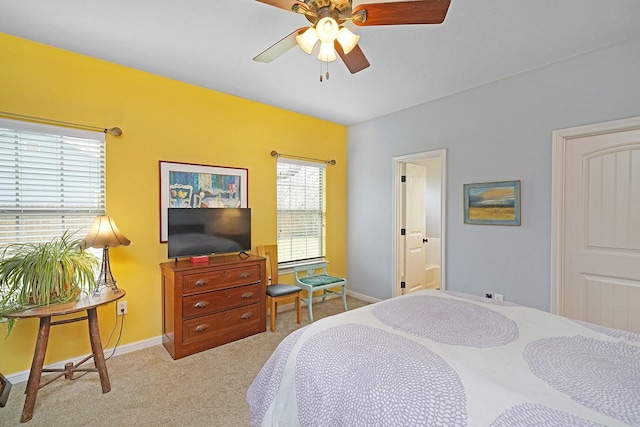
[[148, 388]]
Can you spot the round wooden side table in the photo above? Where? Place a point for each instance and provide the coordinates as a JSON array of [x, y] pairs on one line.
[[45, 313]]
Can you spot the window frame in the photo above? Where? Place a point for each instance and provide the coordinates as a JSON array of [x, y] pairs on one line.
[[287, 265]]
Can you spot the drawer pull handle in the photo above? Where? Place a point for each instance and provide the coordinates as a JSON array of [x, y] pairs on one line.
[[246, 315], [201, 304], [201, 282], [244, 275], [247, 295], [201, 328]]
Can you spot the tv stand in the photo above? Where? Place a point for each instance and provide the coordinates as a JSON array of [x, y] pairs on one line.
[[212, 303], [246, 255]]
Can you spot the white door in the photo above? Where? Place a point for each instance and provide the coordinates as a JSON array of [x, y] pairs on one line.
[[601, 228], [438, 219], [414, 225]]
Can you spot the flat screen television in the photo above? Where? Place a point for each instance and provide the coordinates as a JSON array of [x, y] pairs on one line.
[[207, 231]]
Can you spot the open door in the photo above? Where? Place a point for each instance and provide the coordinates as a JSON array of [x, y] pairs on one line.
[[419, 209], [414, 226]]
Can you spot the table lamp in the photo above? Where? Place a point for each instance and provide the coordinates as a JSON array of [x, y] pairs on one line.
[[105, 234]]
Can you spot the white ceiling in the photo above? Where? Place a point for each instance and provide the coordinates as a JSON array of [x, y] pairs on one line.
[[211, 43]]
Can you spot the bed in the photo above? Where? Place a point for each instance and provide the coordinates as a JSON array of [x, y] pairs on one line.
[[441, 358]]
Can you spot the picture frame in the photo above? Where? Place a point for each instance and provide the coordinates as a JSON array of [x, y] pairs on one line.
[[492, 203], [5, 388], [189, 185]]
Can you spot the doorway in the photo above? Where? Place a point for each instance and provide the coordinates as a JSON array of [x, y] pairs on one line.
[[595, 225], [419, 260]]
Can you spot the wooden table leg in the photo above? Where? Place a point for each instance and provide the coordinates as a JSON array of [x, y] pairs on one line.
[[33, 384], [96, 348]]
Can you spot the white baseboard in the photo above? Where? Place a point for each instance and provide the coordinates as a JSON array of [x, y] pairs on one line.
[[19, 377], [366, 298]]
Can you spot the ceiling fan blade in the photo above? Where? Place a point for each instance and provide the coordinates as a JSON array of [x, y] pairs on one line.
[[354, 60], [401, 13], [280, 47], [284, 4]]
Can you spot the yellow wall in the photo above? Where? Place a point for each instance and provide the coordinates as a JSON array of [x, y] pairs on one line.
[[161, 119]]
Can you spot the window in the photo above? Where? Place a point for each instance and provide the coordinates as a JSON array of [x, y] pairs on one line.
[[52, 179], [301, 211]]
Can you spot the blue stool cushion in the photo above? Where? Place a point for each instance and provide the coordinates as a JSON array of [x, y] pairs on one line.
[[320, 279], [280, 290]]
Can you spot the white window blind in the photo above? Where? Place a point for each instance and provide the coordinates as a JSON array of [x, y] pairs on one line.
[[301, 211], [52, 179]]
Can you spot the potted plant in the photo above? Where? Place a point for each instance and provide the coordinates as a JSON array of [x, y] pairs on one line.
[[35, 274]]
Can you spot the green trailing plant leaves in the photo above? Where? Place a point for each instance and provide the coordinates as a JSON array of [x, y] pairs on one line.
[[35, 274]]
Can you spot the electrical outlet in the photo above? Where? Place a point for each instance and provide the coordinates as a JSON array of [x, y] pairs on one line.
[[122, 308], [498, 297]]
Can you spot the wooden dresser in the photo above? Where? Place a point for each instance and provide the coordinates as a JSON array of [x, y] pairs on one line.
[[213, 303]]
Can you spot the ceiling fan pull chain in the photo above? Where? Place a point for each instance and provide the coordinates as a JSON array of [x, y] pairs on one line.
[[321, 70]]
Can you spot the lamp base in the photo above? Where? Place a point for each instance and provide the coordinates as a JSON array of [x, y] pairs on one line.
[[105, 279], [101, 288]]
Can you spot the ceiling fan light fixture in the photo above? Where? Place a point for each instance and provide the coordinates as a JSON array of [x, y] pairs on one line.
[[327, 29], [327, 52], [327, 16], [347, 39], [307, 40]]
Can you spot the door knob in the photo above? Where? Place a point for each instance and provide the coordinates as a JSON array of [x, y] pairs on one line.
[[425, 240]]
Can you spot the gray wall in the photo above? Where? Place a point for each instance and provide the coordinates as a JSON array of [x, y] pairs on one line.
[[499, 131]]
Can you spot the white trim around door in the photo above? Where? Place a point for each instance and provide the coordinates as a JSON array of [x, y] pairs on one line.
[[397, 201]]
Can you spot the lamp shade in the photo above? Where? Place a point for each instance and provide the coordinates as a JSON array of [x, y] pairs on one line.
[[104, 233], [307, 40], [347, 39], [327, 52], [327, 29]]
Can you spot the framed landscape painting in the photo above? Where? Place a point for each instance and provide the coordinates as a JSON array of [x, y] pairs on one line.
[[193, 186], [492, 203]]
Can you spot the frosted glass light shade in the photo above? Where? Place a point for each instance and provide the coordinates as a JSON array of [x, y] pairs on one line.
[[307, 40], [347, 39], [327, 52], [327, 29]]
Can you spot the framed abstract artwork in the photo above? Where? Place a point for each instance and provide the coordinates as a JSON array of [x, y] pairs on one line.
[[194, 186], [492, 203]]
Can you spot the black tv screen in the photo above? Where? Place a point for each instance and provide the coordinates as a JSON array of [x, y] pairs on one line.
[[206, 231]]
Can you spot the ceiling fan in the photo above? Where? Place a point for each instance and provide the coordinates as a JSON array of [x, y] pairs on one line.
[[326, 17]]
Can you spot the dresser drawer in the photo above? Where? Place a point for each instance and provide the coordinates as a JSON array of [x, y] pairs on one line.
[[210, 302], [218, 279], [208, 327]]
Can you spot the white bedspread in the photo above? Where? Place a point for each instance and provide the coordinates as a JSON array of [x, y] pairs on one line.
[[436, 358]]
